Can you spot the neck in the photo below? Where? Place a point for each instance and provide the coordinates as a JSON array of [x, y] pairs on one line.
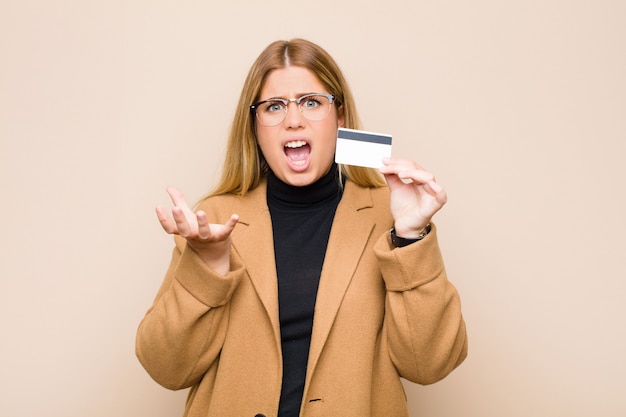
[[324, 189]]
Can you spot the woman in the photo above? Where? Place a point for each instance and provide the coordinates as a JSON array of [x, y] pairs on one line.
[[287, 293]]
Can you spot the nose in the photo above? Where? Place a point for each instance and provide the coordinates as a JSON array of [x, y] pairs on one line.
[[294, 117]]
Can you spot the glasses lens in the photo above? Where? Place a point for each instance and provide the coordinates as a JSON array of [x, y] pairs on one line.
[[315, 106], [271, 112]]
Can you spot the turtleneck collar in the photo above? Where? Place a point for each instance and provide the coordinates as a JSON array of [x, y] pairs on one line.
[[280, 194]]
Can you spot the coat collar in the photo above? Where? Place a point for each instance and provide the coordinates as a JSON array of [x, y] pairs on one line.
[[253, 242], [348, 238]]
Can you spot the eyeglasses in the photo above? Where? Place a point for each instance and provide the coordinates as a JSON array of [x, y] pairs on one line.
[[272, 112]]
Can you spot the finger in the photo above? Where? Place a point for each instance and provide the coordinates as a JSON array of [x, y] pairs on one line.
[[416, 175], [406, 171], [399, 164], [228, 227], [182, 224], [166, 222], [433, 185], [394, 161], [177, 197], [436, 191], [232, 222], [204, 229]]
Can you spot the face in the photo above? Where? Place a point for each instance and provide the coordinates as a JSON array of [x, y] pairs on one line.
[[299, 151]]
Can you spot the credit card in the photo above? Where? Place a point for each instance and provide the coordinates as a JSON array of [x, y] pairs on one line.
[[361, 148]]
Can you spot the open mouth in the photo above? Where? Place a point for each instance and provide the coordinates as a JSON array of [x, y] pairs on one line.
[[297, 152]]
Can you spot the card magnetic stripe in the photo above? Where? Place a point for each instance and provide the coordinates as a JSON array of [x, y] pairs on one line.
[[364, 137]]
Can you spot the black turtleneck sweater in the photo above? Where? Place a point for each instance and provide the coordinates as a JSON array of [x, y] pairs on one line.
[[301, 222]]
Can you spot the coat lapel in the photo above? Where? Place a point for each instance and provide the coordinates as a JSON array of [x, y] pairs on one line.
[[253, 242], [351, 229]]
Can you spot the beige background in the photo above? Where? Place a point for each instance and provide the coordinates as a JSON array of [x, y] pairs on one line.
[[519, 107]]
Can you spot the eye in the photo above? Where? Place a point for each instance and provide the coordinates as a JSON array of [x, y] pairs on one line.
[[273, 107], [311, 102]]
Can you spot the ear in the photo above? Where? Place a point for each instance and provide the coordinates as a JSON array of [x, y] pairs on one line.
[[340, 116]]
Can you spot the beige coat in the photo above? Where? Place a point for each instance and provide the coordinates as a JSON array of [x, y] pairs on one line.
[[381, 314]]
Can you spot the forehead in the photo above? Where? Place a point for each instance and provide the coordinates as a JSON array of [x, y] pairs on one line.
[[291, 82]]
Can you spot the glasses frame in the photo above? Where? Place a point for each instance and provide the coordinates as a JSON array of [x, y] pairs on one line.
[[254, 107]]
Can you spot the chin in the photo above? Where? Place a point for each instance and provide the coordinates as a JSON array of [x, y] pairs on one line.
[[300, 180]]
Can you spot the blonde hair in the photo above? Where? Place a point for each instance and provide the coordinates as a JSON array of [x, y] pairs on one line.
[[244, 165]]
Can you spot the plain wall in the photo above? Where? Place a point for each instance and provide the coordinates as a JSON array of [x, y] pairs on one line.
[[518, 107]]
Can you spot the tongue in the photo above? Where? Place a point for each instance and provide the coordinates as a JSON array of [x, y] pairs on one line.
[[298, 154]]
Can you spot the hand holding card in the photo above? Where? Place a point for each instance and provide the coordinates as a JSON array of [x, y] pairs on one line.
[[366, 149]]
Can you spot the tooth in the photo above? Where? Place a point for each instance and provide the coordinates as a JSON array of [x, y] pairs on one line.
[[295, 144]]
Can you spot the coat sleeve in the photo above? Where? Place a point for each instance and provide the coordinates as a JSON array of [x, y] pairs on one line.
[[423, 325], [183, 331]]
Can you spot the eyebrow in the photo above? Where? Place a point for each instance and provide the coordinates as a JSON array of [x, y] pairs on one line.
[[297, 96]]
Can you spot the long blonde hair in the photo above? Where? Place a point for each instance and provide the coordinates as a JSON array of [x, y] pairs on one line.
[[244, 165]]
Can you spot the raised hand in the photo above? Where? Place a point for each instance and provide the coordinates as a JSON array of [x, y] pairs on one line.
[[210, 241], [415, 195]]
